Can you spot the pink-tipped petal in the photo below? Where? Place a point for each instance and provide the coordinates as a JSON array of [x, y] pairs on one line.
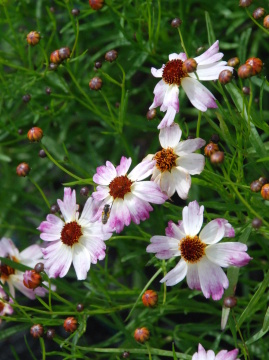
[[189, 146], [213, 232], [101, 193], [149, 191], [81, 261], [168, 118], [164, 247], [142, 170], [176, 275], [119, 216], [180, 56], [175, 230], [159, 92], [157, 72], [171, 98], [228, 254], [225, 355], [68, 206], [32, 252], [124, 166], [208, 54], [88, 212], [59, 264], [192, 218], [182, 181], [105, 174], [193, 280], [139, 209], [193, 163], [170, 136]]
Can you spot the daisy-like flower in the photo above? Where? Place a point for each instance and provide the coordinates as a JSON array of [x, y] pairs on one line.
[[127, 196], [210, 355], [5, 305], [202, 258], [174, 74], [175, 163], [74, 239], [13, 277]]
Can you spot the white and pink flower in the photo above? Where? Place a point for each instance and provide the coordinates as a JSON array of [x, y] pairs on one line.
[[74, 239], [5, 304], [173, 75], [175, 163], [13, 277], [202, 257], [210, 355], [127, 195]]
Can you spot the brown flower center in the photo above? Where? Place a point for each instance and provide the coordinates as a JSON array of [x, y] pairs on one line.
[[173, 72], [120, 186], [71, 233], [192, 249], [165, 159], [2, 305], [6, 270]]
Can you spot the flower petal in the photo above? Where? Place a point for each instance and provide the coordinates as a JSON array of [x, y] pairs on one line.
[[68, 206], [193, 163], [148, 191], [32, 252], [167, 183], [193, 280], [81, 261], [101, 193], [142, 170], [180, 56], [210, 72], [228, 254], [105, 174], [139, 209], [159, 92], [168, 118], [192, 218], [189, 146], [201, 354], [124, 166], [174, 276], [224, 355], [59, 261], [171, 98], [170, 136], [119, 216], [175, 230], [182, 181], [158, 73], [205, 58], [165, 247], [89, 212], [213, 232], [95, 247]]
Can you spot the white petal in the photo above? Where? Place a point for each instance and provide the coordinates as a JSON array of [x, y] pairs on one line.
[[165, 247], [124, 166], [181, 56], [171, 97], [167, 183], [193, 163], [189, 146], [193, 280], [176, 275], [81, 261], [68, 206], [170, 136], [142, 170], [105, 174], [228, 254], [168, 118], [159, 92], [119, 216], [182, 181], [192, 218], [158, 73], [89, 211], [175, 230], [213, 232], [148, 191], [139, 209], [203, 58], [210, 72]]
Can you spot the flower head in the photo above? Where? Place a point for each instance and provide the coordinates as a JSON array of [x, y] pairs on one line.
[[175, 163], [202, 258], [174, 74], [74, 239], [14, 278], [210, 355], [127, 195]]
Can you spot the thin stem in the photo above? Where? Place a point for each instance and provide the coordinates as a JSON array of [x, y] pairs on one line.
[[182, 42], [40, 190], [198, 124], [256, 22]]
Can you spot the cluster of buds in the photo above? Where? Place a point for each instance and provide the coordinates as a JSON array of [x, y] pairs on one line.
[[253, 66], [212, 150], [261, 185], [58, 56]]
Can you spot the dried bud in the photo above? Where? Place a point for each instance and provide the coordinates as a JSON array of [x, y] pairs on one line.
[[246, 90], [256, 65], [151, 114], [80, 307], [245, 71], [54, 208], [70, 324], [263, 180], [26, 98], [230, 302], [255, 186], [33, 38], [96, 4], [210, 149], [175, 23], [233, 62], [42, 154], [95, 83], [215, 138], [39, 267], [217, 157], [50, 334], [256, 223], [225, 77], [245, 3], [98, 64], [266, 22], [23, 169], [125, 355], [141, 335], [31, 279], [265, 192], [150, 298], [48, 91], [35, 134], [64, 53], [189, 65], [53, 66], [111, 55], [36, 331], [75, 12], [258, 13]]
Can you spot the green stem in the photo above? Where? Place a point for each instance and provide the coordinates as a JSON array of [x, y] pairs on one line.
[[148, 347], [182, 42], [198, 124], [40, 190], [76, 39], [45, 56], [43, 350]]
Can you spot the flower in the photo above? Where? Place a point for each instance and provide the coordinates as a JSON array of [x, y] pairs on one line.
[[174, 74], [77, 240], [201, 256], [127, 195], [175, 163], [14, 278], [5, 304], [210, 355]]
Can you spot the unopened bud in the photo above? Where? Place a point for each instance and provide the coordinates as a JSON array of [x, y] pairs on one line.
[[70, 324], [210, 149], [230, 302], [258, 13], [189, 65], [96, 4], [265, 192], [151, 114], [33, 38], [263, 180], [256, 65], [217, 157], [225, 77], [266, 22], [245, 3], [150, 298], [233, 62], [246, 90], [245, 71], [255, 186], [111, 55], [36, 331], [256, 223], [31, 279], [35, 134], [23, 169], [175, 23], [141, 335]]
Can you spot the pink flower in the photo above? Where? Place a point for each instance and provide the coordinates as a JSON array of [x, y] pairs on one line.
[[175, 163], [173, 75], [5, 305], [210, 355], [14, 278], [127, 195], [202, 258], [77, 240]]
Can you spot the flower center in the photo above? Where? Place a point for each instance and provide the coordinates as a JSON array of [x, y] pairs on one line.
[[6, 270], [71, 233], [2, 305], [173, 72], [192, 249], [165, 159], [120, 186]]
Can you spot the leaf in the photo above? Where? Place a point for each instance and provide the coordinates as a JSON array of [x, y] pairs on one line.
[[243, 44], [210, 31]]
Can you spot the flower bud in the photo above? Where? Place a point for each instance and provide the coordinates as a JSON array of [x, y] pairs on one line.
[[256, 223], [53, 66], [246, 90], [95, 83], [26, 98], [20, 131], [200, 50], [150, 298], [245, 3], [70, 324], [125, 355], [258, 13], [141, 335], [36, 331], [210, 149], [111, 55], [189, 65], [217, 157], [265, 192], [55, 57], [215, 138], [263, 180], [75, 12], [48, 91], [245, 71], [225, 77], [255, 186], [64, 53], [233, 62], [256, 65], [266, 22], [42, 154], [96, 4], [39, 267], [33, 38], [23, 169], [84, 191], [50, 334], [80, 307], [230, 302], [35, 134], [151, 114], [31, 279], [54, 208], [98, 64], [175, 23]]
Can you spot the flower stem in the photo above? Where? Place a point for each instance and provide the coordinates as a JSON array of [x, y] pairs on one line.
[[182, 42], [40, 190], [198, 124]]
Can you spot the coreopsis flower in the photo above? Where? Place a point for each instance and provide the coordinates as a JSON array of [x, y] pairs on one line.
[[174, 74], [74, 239], [5, 304], [202, 256], [13, 277], [127, 196], [175, 163], [210, 355]]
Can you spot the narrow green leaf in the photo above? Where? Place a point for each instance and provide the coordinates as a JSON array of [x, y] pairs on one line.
[[210, 32]]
